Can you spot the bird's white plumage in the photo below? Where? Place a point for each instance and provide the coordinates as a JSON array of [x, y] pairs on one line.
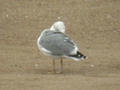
[[58, 26]]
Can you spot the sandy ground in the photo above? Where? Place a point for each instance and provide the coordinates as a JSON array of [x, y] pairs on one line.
[[93, 24]]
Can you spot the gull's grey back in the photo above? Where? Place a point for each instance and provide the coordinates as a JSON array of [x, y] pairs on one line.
[[57, 43]]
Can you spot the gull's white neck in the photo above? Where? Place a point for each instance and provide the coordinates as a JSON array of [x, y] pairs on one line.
[[58, 27], [52, 28]]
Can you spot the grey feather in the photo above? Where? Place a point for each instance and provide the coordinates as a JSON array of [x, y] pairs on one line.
[[57, 43]]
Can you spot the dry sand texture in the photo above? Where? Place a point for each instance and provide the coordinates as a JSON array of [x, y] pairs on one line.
[[93, 24]]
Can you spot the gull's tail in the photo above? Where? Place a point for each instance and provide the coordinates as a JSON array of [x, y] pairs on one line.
[[78, 56]]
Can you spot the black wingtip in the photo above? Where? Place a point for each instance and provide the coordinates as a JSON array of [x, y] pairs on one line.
[[84, 57], [78, 56]]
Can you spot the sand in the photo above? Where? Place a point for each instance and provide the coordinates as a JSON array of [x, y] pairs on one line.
[[93, 24]]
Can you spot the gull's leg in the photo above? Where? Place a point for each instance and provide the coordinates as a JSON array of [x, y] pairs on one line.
[[54, 70], [61, 61]]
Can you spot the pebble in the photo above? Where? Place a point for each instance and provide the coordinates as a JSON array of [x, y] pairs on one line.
[[92, 65], [58, 17]]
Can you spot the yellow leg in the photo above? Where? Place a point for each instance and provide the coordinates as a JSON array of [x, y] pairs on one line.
[[54, 70], [61, 61]]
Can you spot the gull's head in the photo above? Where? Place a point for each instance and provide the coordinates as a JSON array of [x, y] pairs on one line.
[[58, 27]]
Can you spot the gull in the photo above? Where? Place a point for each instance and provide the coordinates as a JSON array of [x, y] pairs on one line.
[[54, 42]]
